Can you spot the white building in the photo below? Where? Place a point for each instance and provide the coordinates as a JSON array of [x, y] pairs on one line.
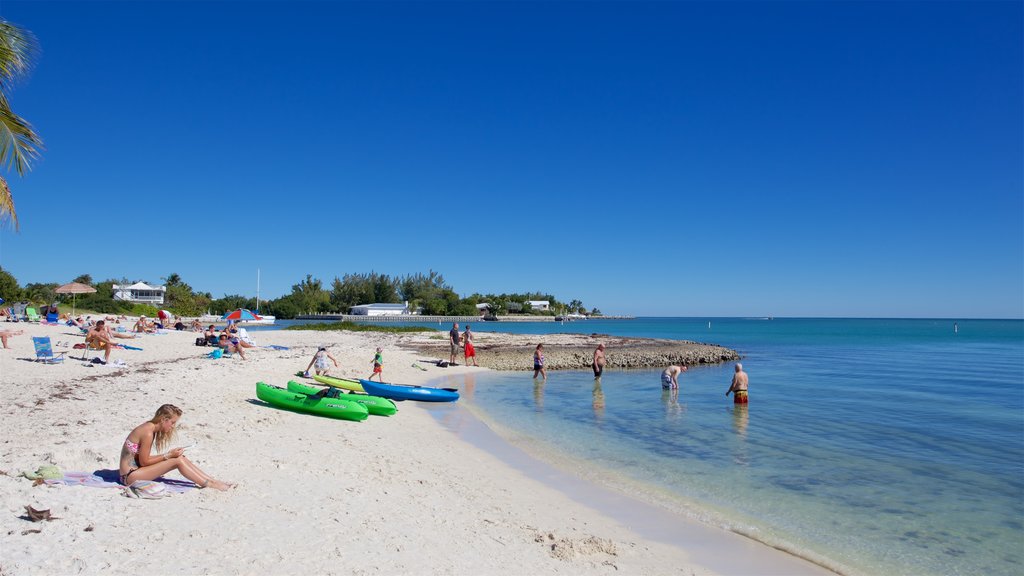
[[140, 292], [380, 309], [539, 304]]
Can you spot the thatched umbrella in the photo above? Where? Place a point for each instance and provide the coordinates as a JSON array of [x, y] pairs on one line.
[[75, 288]]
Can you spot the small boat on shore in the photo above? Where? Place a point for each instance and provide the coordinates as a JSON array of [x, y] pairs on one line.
[[330, 407], [343, 383], [406, 392], [375, 405]]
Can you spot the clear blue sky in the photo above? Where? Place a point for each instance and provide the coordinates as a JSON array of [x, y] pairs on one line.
[[794, 159]]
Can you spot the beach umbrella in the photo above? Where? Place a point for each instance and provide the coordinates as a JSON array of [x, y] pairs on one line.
[[73, 289], [241, 314]]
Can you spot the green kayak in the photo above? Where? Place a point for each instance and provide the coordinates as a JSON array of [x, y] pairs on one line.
[[342, 383], [330, 407], [374, 404]]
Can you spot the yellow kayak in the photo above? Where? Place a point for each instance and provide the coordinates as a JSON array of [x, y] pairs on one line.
[[342, 383]]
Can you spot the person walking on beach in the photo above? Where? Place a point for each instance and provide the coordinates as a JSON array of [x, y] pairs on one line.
[[138, 462], [467, 343], [453, 340], [670, 377], [378, 365], [319, 361], [538, 362], [738, 389], [599, 361]]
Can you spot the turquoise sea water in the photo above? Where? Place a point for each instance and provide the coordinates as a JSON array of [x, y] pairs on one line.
[[872, 446]]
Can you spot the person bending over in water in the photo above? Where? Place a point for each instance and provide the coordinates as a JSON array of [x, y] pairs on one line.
[[139, 463], [670, 377], [739, 386], [599, 361]]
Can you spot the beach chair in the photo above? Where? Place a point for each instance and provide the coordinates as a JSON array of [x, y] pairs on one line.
[[31, 315], [44, 350], [52, 318]]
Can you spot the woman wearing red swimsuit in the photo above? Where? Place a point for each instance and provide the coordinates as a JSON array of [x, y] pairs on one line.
[[138, 462]]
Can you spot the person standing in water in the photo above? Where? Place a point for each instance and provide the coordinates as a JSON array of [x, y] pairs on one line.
[[599, 361], [538, 362], [738, 389]]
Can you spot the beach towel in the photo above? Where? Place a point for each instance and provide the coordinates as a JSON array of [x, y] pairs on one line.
[[109, 479], [275, 347]]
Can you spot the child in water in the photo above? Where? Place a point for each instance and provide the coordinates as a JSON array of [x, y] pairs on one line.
[[378, 365], [319, 361]]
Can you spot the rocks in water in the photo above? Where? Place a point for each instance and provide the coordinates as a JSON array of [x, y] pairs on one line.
[[576, 351]]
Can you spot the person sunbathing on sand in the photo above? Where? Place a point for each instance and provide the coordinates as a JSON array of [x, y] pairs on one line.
[[5, 334], [143, 326], [229, 346], [99, 338], [139, 463]]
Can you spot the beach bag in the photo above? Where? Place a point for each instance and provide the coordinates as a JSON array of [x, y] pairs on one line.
[[218, 353], [148, 489], [200, 341]]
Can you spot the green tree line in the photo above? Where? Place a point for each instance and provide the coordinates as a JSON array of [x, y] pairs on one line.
[[428, 293]]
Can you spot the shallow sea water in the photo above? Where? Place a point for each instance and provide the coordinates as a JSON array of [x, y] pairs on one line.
[[871, 446]]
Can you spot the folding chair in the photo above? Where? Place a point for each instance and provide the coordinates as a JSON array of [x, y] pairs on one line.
[[44, 350]]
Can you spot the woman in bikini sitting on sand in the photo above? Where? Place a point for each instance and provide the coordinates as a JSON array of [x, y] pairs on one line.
[[138, 462]]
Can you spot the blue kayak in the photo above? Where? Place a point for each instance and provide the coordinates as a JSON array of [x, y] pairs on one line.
[[404, 392]]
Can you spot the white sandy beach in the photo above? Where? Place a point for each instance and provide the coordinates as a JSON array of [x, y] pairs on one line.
[[398, 495]]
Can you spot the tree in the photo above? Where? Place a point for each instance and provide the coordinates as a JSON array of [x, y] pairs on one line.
[[9, 288], [172, 279], [311, 296], [84, 279], [19, 143], [41, 293]]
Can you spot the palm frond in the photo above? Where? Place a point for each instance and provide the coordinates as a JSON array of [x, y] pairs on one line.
[[7, 212], [19, 144], [18, 49]]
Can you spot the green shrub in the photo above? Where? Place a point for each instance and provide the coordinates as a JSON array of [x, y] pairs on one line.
[[355, 327]]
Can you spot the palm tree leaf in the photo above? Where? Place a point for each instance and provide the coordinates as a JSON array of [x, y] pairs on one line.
[[19, 143], [18, 48], [7, 204]]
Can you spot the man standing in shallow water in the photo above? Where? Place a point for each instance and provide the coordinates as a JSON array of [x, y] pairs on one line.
[[599, 361], [739, 386]]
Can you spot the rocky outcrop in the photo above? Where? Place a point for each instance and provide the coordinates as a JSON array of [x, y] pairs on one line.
[[576, 351]]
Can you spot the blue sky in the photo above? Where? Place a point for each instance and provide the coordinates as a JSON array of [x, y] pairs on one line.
[[721, 159]]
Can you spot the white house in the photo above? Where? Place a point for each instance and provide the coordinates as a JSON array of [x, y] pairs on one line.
[[380, 309], [140, 292], [539, 304]]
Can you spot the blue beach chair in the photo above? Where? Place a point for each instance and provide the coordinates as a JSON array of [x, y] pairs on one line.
[[44, 350]]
